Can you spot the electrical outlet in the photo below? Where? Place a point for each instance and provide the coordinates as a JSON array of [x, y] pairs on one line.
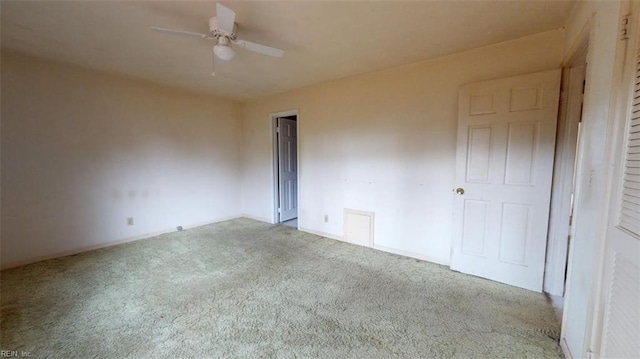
[[130, 221], [326, 218]]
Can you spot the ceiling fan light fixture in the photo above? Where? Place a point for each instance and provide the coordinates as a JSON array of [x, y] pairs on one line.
[[222, 29], [224, 52]]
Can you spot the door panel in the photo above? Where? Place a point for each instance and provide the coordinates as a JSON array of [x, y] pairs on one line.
[[287, 169], [515, 232], [619, 288], [479, 154], [522, 144], [474, 227], [504, 164]]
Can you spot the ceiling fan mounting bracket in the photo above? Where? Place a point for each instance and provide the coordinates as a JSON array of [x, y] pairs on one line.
[[217, 33]]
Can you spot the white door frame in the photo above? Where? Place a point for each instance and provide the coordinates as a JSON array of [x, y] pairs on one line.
[[274, 163], [563, 174], [582, 42], [614, 157]]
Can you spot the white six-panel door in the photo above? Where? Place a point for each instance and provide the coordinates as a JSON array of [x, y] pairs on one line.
[[504, 164], [287, 169]]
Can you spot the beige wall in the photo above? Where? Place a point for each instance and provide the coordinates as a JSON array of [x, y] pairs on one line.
[[82, 151], [383, 142], [591, 199]]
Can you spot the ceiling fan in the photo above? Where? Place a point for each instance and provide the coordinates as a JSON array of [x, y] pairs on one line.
[[222, 29]]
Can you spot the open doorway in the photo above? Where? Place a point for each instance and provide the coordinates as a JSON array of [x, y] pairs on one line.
[[285, 159]]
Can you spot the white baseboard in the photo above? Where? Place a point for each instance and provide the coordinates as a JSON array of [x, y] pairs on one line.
[[411, 254], [157, 233], [565, 349], [322, 234], [381, 248], [259, 219], [23, 262]]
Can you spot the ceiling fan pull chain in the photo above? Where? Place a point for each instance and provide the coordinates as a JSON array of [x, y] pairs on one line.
[[213, 66]]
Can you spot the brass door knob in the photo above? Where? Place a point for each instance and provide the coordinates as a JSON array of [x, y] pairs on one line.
[[460, 191]]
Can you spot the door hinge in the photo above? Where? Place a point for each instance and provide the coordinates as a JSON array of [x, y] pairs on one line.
[[278, 129], [590, 354], [624, 27], [279, 210]]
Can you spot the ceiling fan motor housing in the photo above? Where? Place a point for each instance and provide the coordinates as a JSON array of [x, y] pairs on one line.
[[217, 33]]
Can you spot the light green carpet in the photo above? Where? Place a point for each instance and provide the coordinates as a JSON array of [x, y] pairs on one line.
[[242, 288]]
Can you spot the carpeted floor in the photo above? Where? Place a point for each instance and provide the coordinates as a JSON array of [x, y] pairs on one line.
[[246, 289]]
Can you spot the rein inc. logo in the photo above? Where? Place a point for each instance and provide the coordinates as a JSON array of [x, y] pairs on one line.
[[14, 354]]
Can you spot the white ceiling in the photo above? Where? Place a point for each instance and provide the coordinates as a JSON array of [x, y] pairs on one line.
[[323, 40]]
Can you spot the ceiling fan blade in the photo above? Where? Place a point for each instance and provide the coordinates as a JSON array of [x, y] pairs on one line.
[[226, 18], [178, 32], [261, 49]]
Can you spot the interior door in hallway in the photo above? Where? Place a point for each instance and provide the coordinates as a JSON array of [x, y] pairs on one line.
[[504, 165], [287, 169]]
